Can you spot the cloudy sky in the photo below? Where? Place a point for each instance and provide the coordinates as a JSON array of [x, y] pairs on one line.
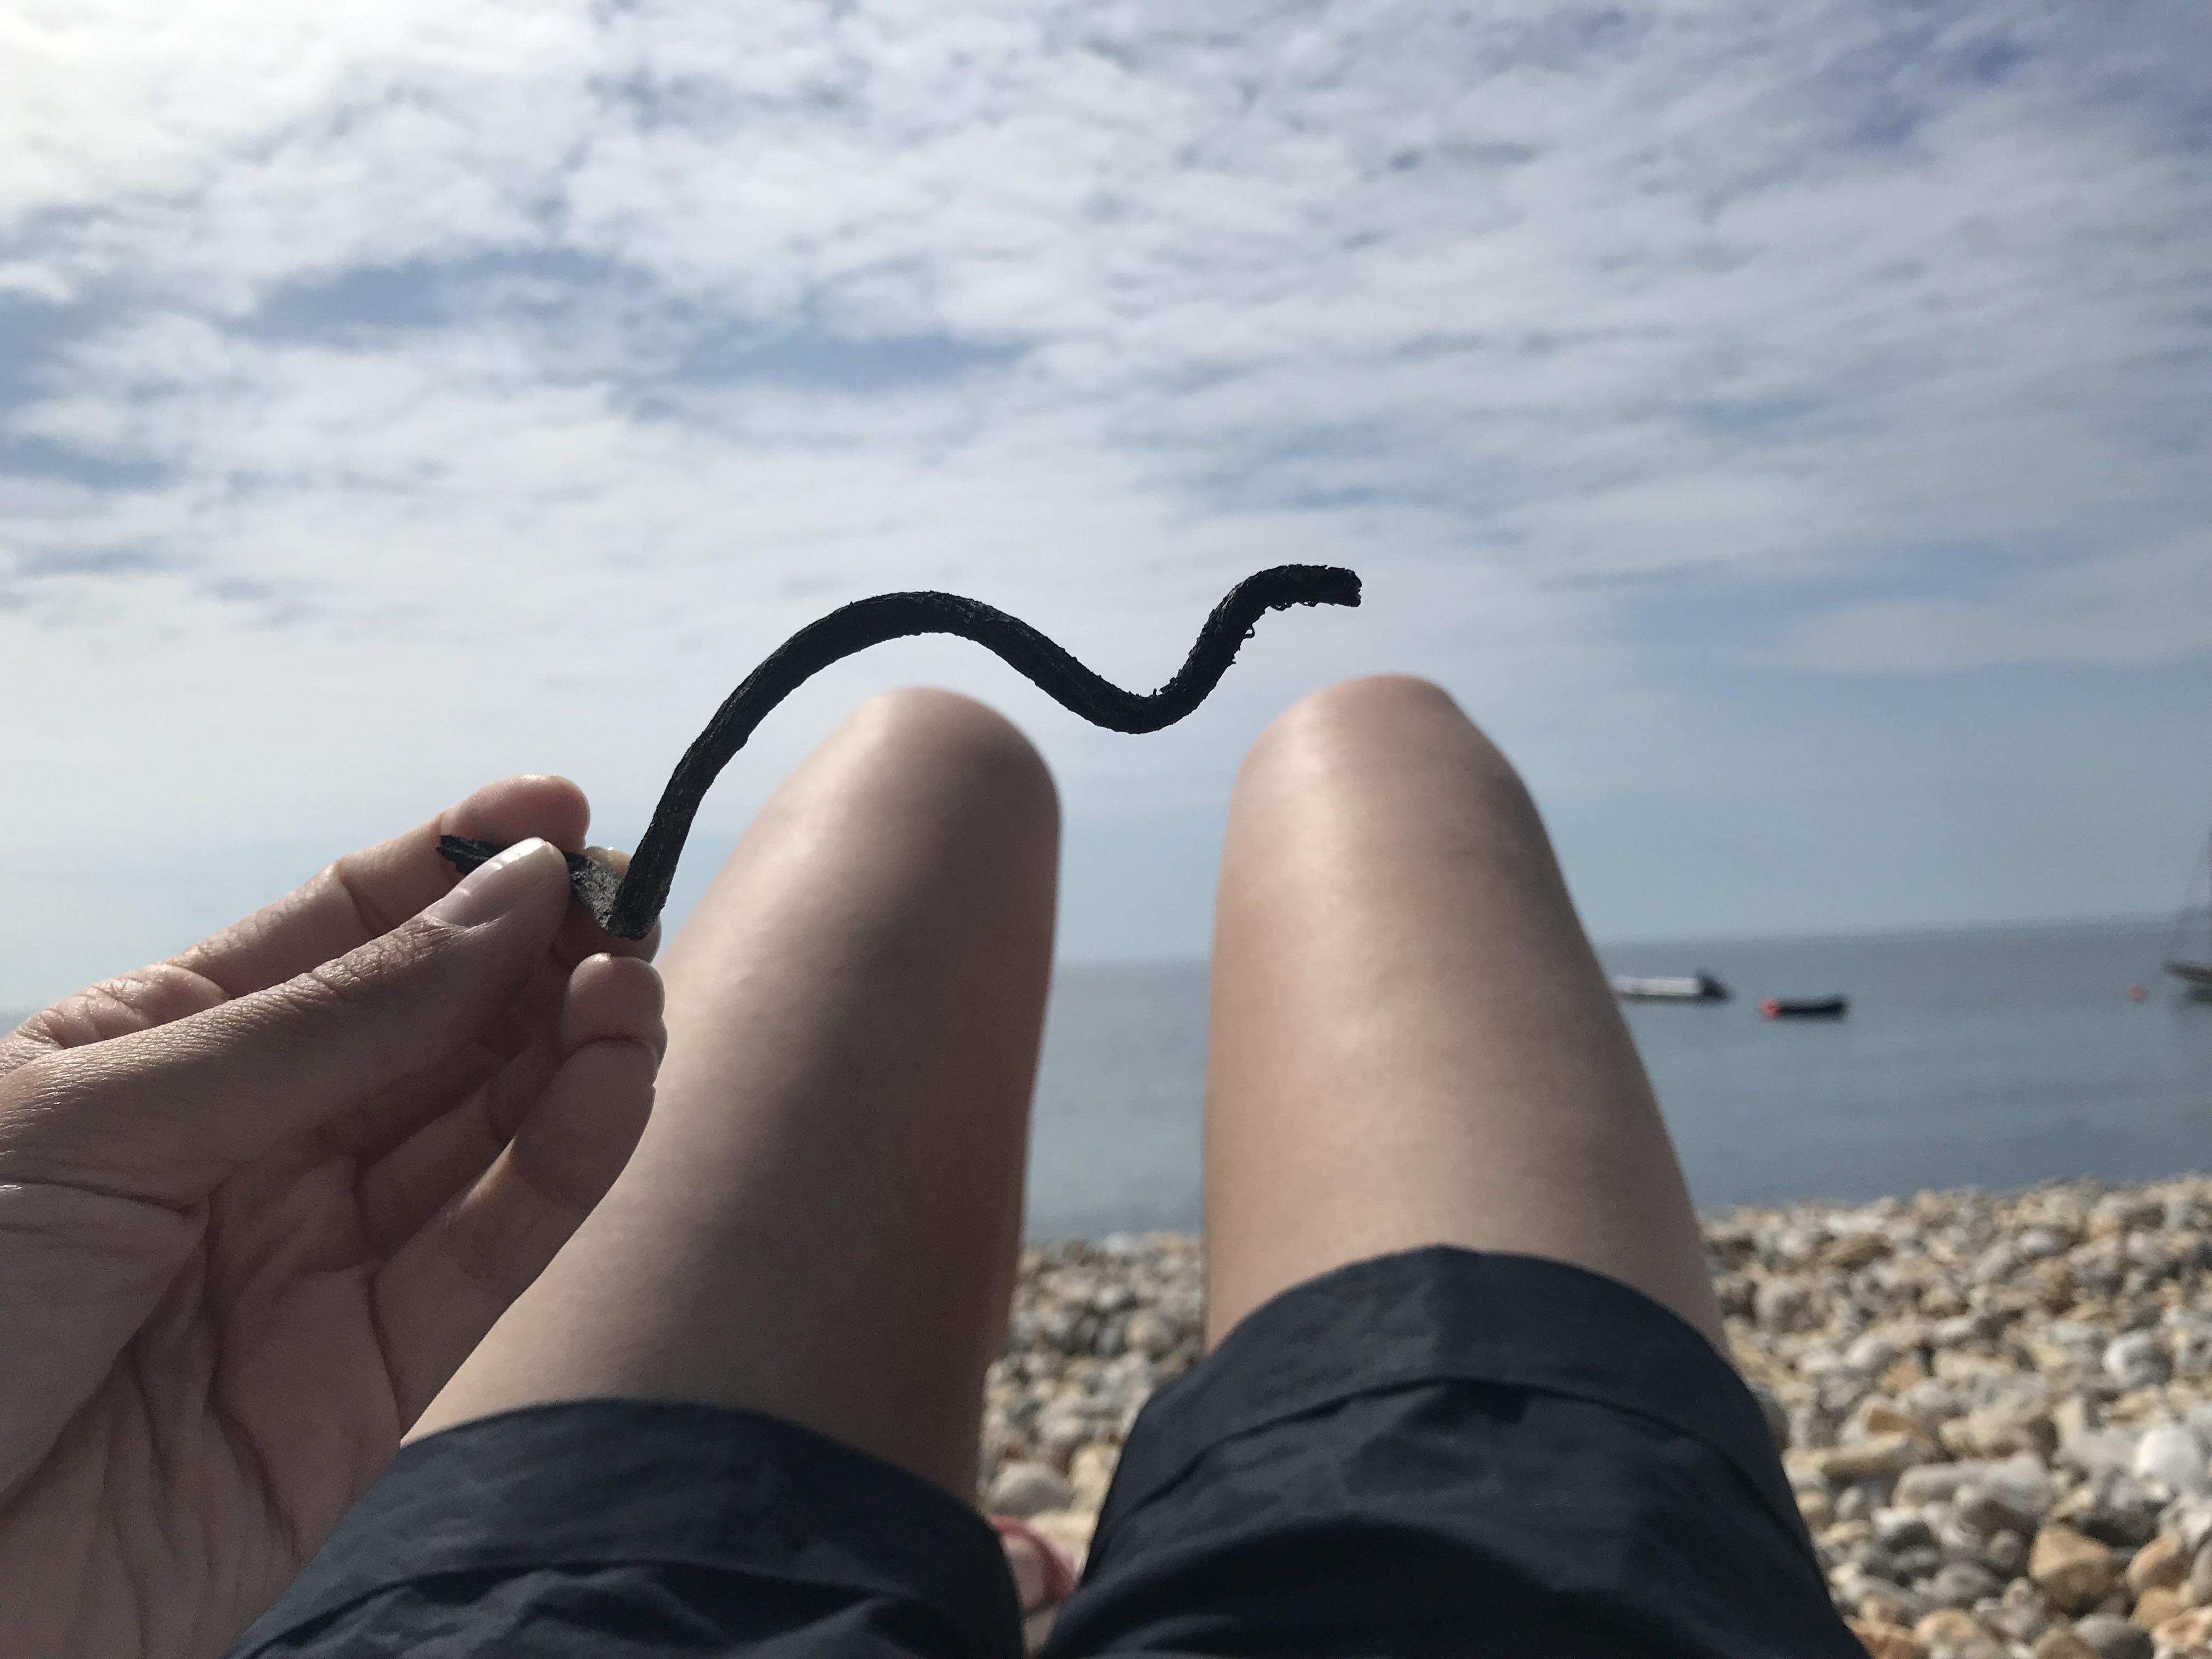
[[1786, 427]]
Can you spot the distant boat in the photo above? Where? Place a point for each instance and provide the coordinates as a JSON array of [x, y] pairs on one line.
[[1669, 987], [1805, 1007], [2193, 970]]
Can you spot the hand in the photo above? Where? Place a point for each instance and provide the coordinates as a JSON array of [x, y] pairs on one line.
[[257, 1203]]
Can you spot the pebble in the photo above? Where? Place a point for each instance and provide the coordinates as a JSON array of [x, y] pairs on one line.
[[1026, 1489], [1993, 1409], [2186, 1636], [2112, 1637], [2073, 1571], [2170, 1455]]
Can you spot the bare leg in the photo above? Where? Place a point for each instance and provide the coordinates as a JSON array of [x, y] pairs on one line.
[[1412, 1043], [822, 1220]]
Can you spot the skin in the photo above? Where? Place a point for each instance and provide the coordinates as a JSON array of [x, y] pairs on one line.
[[1411, 1044], [1410, 1040], [822, 1219], [261, 1205], [260, 1201]]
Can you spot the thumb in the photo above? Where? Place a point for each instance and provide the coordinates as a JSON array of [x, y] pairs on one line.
[[165, 1113]]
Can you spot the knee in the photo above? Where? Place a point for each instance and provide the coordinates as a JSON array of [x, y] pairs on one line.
[[973, 757], [1383, 723]]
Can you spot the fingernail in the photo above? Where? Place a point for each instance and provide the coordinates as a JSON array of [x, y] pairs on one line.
[[497, 885]]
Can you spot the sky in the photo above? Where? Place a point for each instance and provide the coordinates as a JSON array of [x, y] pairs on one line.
[[1785, 428]]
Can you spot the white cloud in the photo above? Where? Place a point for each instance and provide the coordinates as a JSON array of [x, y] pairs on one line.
[[574, 354]]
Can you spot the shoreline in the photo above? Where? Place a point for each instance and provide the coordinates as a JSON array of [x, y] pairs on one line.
[[1995, 1409]]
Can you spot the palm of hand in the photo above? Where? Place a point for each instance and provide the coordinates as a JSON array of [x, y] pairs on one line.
[[215, 1354]]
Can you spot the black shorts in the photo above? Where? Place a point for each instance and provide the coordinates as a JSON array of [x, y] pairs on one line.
[[1439, 1453]]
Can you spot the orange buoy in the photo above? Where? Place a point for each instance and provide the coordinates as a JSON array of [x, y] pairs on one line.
[[2137, 992]]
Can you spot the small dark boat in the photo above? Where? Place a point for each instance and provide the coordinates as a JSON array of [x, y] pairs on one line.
[[1805, 1007]]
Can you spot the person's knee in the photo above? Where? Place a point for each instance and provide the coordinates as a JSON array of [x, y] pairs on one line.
[[1383, 722], [981, 758]]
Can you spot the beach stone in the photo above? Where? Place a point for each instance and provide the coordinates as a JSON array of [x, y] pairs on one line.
[[2118, 1511], [2011, 1496], [1935, 1483], [2159, 1564], [1887, 1604], [1859, 1500], [1902, 1528], [1998, 1432], [1961, 1583], [2075, 1571], [1149, 1334], [1879, 1416], [2006, 1555], [2189, 1519], [1886, 1641], [1855, 1250], [2113, 1638], [2020, 1614], [2188, 1635], [2060, 1641], [1948, 1627], [2200, 1577], [2122, 1212], [2191, 1341], [2171, 1455], [2137, 1361], [2154, 1607], [2098, 1452], [1954, 1634], [1995, 1265], [1062, 1427], [2074, 1416], [1877, 1454], [1782, 1304], [1929, 1401], [1091, 1473], [1028, 1489]]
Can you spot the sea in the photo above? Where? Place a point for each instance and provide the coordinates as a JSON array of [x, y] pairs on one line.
[[1994, 1059]]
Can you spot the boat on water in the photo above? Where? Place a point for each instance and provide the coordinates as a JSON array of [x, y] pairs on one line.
[[1669, 987], [2192, 963], [1833, 1007]]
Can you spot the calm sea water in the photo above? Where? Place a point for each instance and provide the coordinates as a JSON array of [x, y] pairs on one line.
[[1990, 1059]]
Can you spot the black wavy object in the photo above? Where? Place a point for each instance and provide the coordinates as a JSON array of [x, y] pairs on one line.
[[629, 909]]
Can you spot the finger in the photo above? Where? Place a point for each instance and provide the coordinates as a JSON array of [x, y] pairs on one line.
[[115, 1007], [372, 892], [337, 910], [166, 1113], [514, 1054], [448, 1285], [611, 999]]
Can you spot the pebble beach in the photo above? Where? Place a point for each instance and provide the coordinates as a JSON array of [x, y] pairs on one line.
[[1996, 1411]]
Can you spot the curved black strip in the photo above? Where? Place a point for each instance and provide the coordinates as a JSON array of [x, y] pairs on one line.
[[630, 911]]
